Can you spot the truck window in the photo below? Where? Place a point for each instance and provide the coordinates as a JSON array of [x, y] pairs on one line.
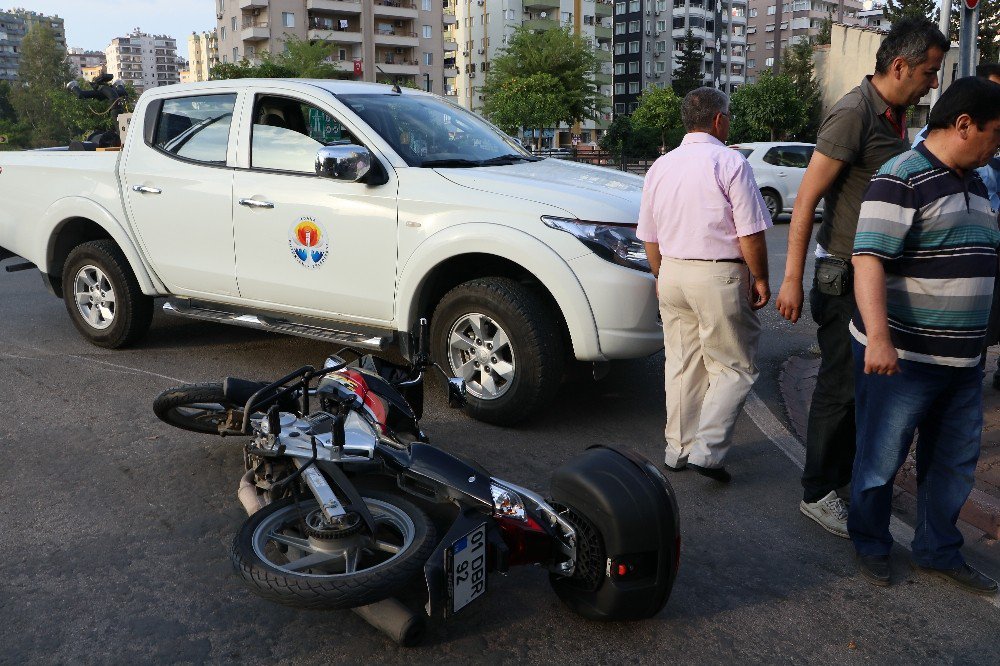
[[288, 132], [196, 128]]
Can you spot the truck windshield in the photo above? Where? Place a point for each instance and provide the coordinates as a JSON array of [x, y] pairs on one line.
[[429, 132]]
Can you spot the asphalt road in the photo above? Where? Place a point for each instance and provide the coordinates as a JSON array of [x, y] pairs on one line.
[[115, 528]]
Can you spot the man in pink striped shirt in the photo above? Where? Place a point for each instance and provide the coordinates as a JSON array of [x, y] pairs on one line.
[[703, 220]]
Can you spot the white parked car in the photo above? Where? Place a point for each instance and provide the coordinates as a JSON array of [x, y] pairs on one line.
[[778, 168]]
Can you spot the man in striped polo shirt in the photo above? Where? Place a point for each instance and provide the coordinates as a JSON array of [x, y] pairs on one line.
[[925, 257]]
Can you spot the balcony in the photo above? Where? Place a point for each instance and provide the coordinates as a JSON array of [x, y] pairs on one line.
[[395, 9], [450, 45], [602, 32], [450, 19], [603, 55], [253, 4], [396, 38], [604, 8], [541, 25], [406, 68], [602, 79], [340, 6], [451, 72], [541, 5], [335, 36], [255, 31]]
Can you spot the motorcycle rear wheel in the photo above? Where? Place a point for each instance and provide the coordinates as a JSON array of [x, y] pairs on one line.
[[280, 560], [198, 408]]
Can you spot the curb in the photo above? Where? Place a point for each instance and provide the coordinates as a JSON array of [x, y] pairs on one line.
[[797, 379]]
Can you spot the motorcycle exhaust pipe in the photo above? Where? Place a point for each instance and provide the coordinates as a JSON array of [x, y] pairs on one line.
[[395, 620], [389, 616], [251, 500]]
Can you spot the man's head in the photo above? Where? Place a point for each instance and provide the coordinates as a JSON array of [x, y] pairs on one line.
[[968, 117], [706, 110], [908, 61], [989, 71]]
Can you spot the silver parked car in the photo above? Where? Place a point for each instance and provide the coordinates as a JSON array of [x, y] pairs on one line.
[[778, 168]]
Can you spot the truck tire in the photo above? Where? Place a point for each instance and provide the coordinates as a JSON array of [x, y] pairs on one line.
[[504, 341], [265, 556], [103, 297]]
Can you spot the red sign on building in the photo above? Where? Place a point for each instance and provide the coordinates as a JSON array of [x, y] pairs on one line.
[[357, 67]]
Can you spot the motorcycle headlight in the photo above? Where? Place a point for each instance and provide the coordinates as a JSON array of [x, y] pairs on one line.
[[506, 503], [616, 243]]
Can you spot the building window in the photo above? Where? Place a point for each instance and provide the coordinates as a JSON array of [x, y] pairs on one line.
[[620, 107], [753, 12], [635, 6], [633, 47], [633, 87], [425, 5], [236, 54], [661, 66], [427, 32], [428, 58], [288, 19], [222, 32], [633, 67], [620, 48], [619, 8], [770, 10], [620, 28], [619, 88], [633, 26], [769, 62], [619, 68]]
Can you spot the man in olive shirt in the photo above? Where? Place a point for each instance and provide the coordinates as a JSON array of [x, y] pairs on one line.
[[865, 129]]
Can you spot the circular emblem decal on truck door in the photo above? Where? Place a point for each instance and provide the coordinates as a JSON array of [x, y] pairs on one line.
[[308, 242]]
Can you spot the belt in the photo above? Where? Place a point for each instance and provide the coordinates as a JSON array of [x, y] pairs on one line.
[[738, 260]]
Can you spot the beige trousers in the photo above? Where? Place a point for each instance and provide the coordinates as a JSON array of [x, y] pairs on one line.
[[710, 335]]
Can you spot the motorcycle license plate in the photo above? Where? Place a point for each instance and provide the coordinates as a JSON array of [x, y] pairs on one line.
[[466, 564]]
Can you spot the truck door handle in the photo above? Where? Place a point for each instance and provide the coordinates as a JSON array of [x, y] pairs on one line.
[[254, 203], [146, 190]]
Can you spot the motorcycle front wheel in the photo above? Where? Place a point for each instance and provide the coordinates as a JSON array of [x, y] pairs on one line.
[[287, 553], [199, 408]]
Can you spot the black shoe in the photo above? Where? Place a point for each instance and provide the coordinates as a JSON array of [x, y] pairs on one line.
[[874, 569], [715, 473], [965, 577]]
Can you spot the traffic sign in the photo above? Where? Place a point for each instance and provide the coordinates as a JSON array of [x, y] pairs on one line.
[[971, 4], [3, 138]]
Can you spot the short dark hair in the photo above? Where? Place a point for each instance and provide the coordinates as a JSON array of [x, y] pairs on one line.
[[988, 69], [979, 98], [700, 106], [909, 39]]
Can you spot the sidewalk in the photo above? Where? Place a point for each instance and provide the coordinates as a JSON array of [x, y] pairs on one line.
[[798, 379]]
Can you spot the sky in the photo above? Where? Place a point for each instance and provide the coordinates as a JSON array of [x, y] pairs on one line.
[[92, 24]]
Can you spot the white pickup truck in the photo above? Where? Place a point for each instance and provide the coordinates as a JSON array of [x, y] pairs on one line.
[[346, 212]]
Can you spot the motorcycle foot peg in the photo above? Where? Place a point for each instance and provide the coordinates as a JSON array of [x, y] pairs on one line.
[[395, 620]]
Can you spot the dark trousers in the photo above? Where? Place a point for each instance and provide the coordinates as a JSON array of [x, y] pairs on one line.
[[945, 405], [830, 432]]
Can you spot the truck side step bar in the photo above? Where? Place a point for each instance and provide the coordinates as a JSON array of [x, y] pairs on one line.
[[214, 312]]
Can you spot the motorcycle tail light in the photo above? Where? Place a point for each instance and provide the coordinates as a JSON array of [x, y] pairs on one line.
[[526, 541], [507, 503]]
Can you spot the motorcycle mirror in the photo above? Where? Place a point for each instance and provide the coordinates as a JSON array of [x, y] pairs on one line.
[[456, 392], [333, 361]]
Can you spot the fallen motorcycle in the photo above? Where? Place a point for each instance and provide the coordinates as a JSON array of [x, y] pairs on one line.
[[341, 484]]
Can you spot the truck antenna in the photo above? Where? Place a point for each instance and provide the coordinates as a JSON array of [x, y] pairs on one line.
[[395, 86]]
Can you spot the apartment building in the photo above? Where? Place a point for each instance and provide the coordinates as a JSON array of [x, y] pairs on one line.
[[145, 60], [81, 60], [392, 41], [203, 54], [484, 27], [649, 37], [773, 25], [14, 25]]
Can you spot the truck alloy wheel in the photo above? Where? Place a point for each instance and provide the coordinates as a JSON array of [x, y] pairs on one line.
[[103, 297], [504, 340]]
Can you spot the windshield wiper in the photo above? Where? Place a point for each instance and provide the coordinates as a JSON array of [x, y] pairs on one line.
[[451, 163], [507, 159]]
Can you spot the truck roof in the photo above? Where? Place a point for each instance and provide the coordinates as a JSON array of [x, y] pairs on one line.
[[335, 86]]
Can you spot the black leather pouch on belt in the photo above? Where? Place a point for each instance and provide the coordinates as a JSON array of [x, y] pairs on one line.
[[833, 276]]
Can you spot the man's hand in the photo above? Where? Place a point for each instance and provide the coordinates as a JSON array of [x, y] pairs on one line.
[[760, 293], [881, 358], [790, 298]]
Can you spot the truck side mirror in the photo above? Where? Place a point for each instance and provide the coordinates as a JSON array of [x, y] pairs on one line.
[[344, 162]]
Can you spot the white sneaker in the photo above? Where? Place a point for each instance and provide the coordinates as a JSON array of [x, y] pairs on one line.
[[830, 512]]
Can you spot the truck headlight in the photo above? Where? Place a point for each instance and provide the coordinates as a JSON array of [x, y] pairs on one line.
[[614, 242]]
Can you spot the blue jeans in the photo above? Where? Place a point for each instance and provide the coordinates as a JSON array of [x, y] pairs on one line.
[[945, 404]]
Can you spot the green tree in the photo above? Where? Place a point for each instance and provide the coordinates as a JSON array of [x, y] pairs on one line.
[[899, 9], [690, 70], [534, 102], [622, 136], [825, 34], [301, 59], [40, 87], [565, 57], [767, 110], [659, 109], [797, 64]]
